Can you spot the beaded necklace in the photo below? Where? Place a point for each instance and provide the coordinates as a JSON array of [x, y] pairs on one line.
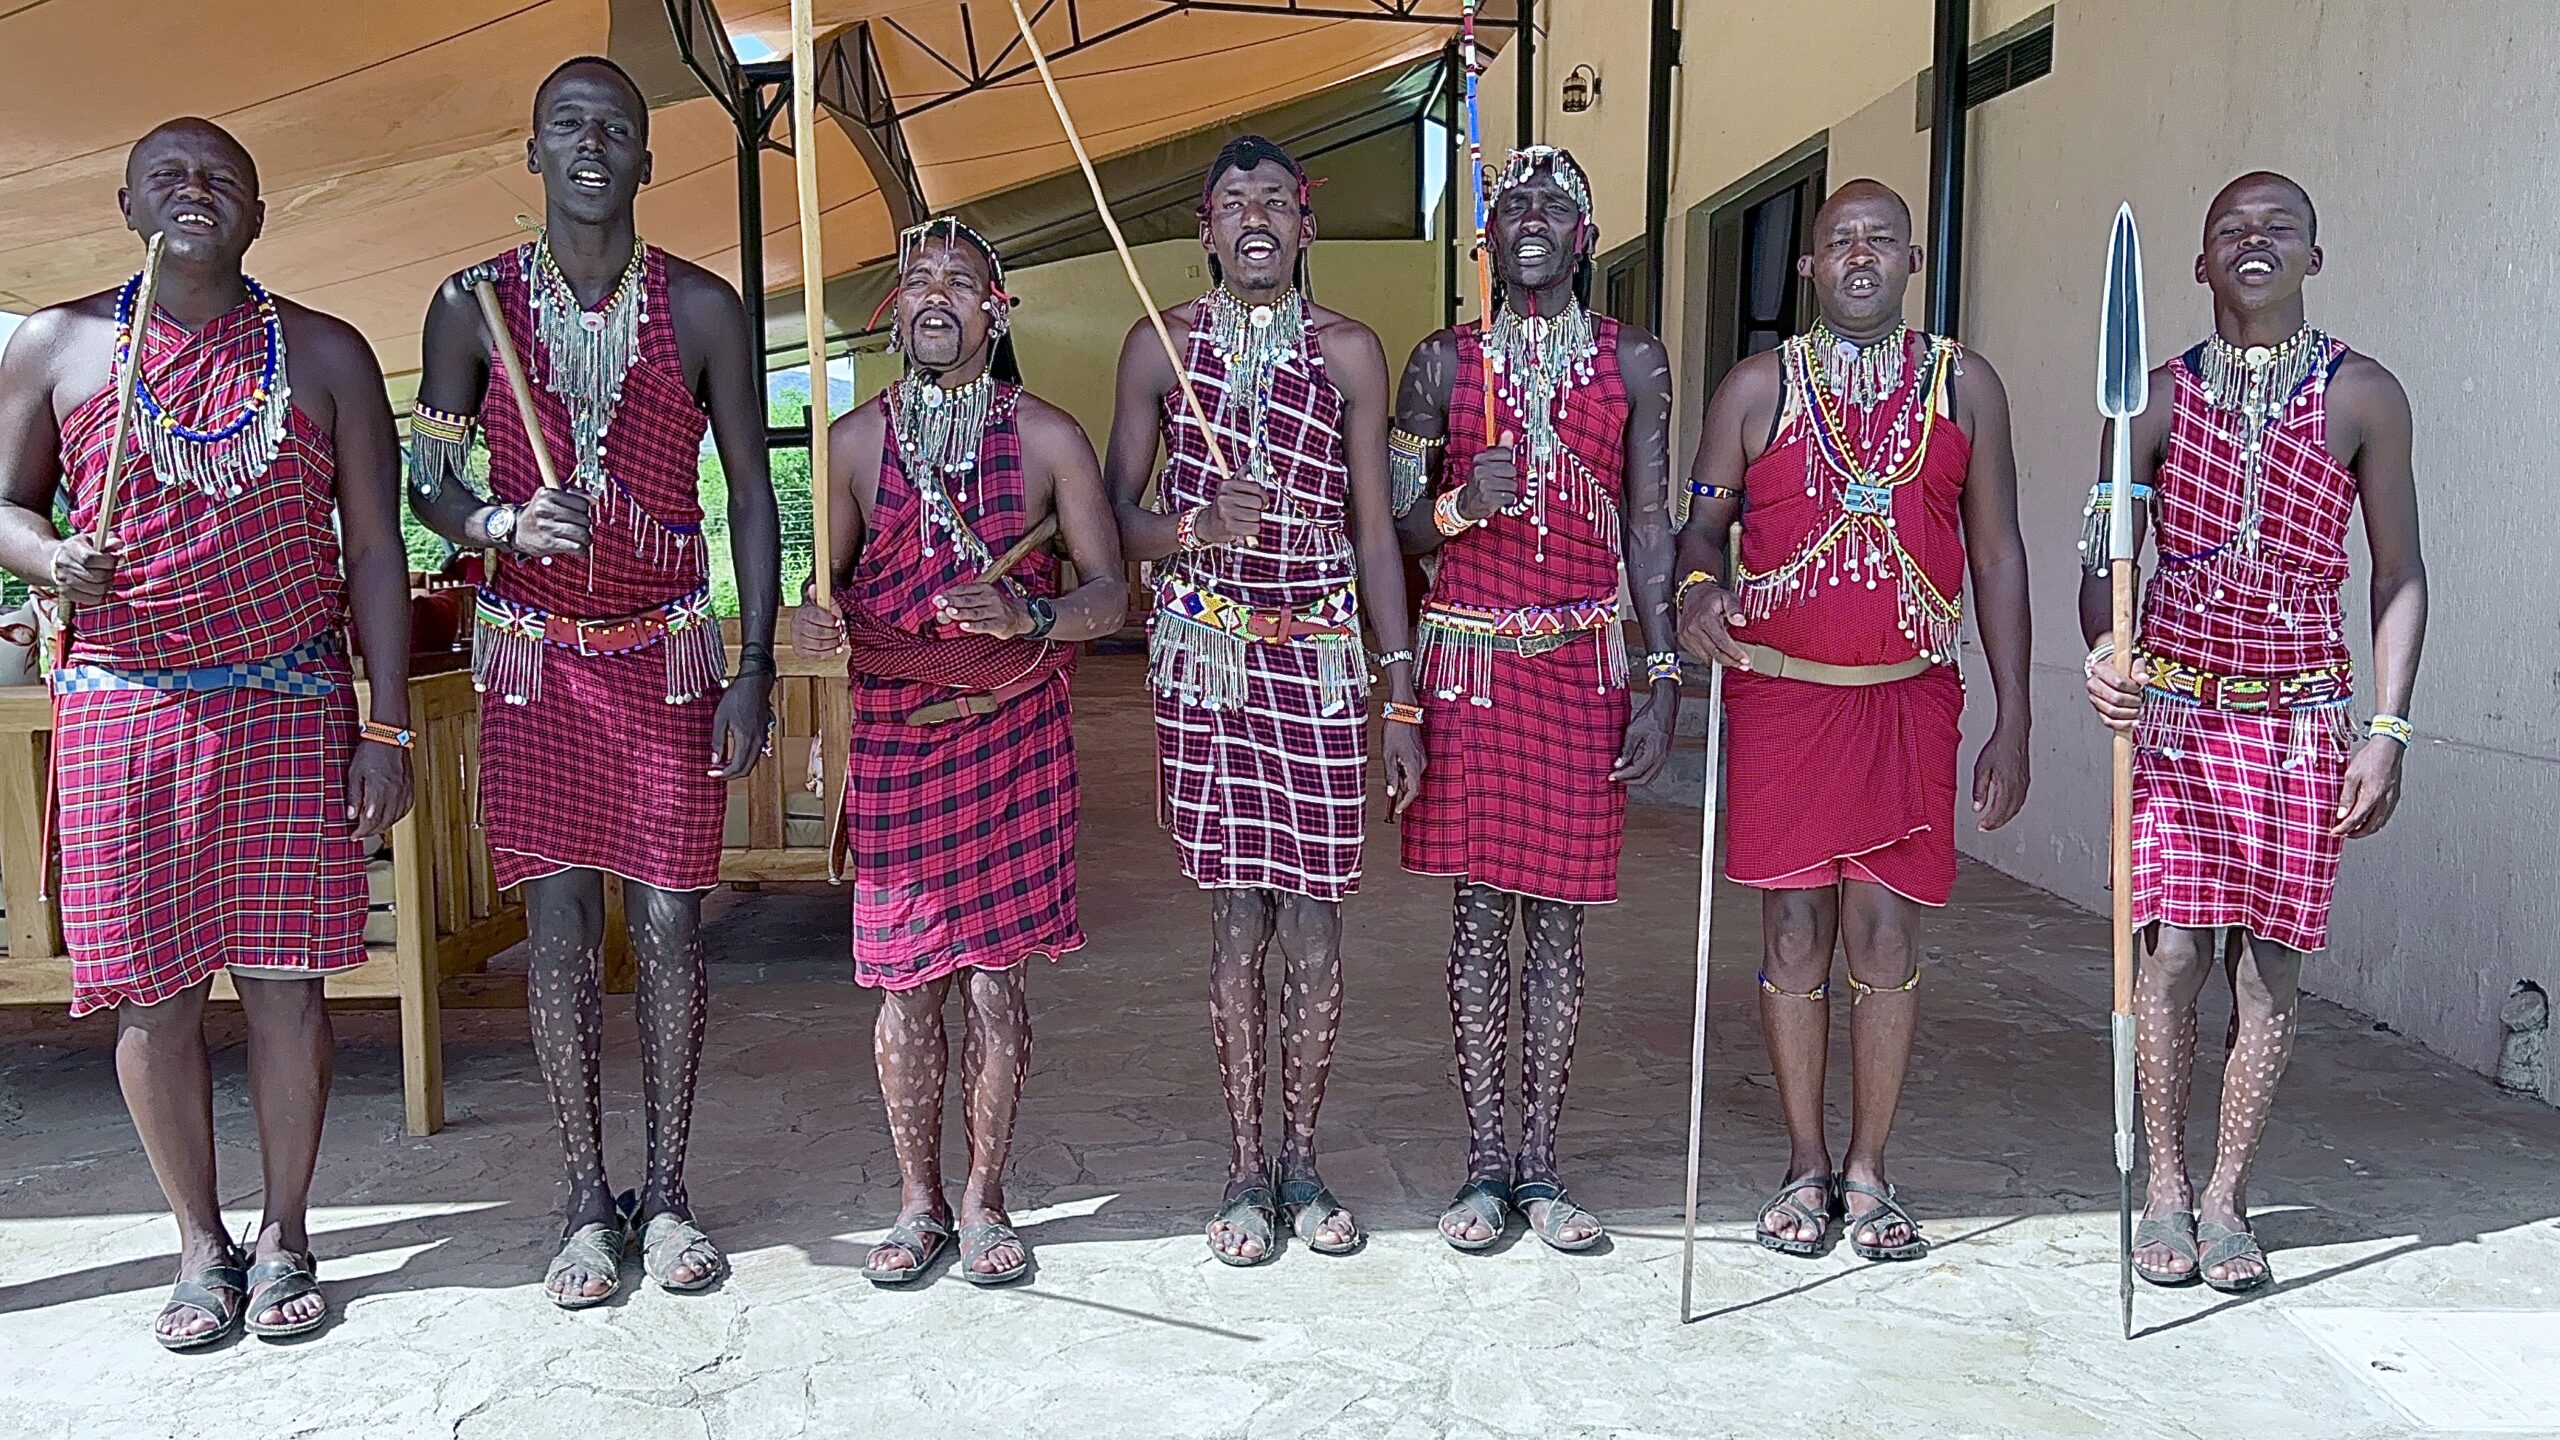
[[1536, 361], [938, 433], [218, 462], [2250, 389], [1252, 341], [587, 353], [1867, 373], [1862, 543]]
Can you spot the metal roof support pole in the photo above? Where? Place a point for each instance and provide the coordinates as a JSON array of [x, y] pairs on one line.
[[1665, 55], [1948, 78], [1527, 75]]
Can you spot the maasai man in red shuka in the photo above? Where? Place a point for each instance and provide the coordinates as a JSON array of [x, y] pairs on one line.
[[2247, 781], [960, 796], [218, 798], [1524, 660], [1263, 573], [1870, 464], [607, 739]]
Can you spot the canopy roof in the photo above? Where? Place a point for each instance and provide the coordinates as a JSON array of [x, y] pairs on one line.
[[390, 138]]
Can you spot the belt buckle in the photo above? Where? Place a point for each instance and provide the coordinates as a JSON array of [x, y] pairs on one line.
[[1270, 626]]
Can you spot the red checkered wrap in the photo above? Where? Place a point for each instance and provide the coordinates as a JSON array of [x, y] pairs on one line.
[[2231, 821], [1517, 794], [1820, 773], [1271, 794], [205, 581], [2280, 612], [962, 835], [600, 772], [206, 829]]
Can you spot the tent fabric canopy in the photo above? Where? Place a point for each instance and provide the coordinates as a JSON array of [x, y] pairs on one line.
[[390, 138]]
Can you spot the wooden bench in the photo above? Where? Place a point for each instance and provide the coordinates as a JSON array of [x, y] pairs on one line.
[[450, 916]]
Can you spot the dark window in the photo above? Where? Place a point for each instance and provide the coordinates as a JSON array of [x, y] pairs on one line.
[[1622, 285], [1757, 299]]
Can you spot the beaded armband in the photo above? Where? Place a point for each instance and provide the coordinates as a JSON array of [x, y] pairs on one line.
[[1662, 665], [1408, 468], [439, 442], [392, 735], [2093, 522], [1446, 516]]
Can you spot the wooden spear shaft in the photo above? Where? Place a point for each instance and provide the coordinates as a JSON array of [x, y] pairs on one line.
[[813, 292]]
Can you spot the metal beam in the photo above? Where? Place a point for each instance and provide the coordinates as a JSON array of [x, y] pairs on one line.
[[1948, 81], [855, 90], [1526, 73], [1665, 57], [703, 42]]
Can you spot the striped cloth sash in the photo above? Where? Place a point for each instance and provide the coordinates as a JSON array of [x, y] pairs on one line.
[[286, 674]]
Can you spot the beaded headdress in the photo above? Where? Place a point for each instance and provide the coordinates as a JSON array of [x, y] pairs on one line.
[[1001, 361], [1557, 161]]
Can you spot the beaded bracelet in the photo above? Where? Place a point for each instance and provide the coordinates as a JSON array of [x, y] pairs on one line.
[[392, 735], [1394, 657], [1399, 713], [1186, 529], [2089, 667], [1662, 665], [1680, 592], [2392, 727], [1448, 518], [1705, 491]]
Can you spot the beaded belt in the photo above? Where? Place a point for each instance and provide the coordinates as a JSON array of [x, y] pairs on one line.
[[286, 674], [1527, 630], [1335, 616], [2195, 685], [1197, 641], [508, 642]]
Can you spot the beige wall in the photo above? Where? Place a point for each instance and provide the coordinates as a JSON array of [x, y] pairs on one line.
[[1075, 313], [2417, 131]]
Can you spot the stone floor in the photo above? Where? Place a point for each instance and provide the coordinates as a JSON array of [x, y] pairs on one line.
[[2400, 1197]]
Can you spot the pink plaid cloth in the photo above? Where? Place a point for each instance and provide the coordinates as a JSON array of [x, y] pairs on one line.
[[1517, 793], [206, 829], [2232, 809], [962, 835], [1270, 794], [599, 771]]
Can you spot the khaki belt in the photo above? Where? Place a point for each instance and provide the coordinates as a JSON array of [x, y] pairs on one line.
[[1778, 665], [961, 707]]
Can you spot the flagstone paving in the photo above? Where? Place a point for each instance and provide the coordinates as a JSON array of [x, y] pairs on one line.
[[2392, 1182]]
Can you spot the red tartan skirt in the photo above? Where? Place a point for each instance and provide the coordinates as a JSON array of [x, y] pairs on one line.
[[2232, 828], [1269, 795], [601, 773], [1821, 773], [203, 830], [960, 837], [1517, 795]]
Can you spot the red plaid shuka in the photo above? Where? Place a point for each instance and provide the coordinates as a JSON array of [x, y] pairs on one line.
[[1821, 773], [1517, 791], [1269, 793], [2232, 808], [206, 829], [598, 771], [962, 835]]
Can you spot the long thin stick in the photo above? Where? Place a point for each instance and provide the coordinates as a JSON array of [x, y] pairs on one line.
[[1128, 264], [1706, 923], [1475, 194], [519, 384], [813, 289], [1032, 539], [126, 380]]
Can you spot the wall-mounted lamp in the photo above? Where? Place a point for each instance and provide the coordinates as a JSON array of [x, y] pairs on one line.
[[1581, 89]]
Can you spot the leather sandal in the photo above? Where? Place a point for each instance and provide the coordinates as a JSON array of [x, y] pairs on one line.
[[2174, 1232], [1307, 1204], [1255, 1214], [1788, 1204], [1486, 1200], [1888, 1211], [665, 1241], [271, 1284], [922, 1237], [977, 1240], [220, 1290], [2222, 1246], [1560, 1213], [596, 1249]]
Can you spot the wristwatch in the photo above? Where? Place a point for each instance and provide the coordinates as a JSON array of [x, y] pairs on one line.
[[500, 523]]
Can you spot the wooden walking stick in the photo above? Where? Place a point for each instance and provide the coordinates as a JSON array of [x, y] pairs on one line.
[[2124, 389], [518, 383], [1706, 920], [128, 376], [1128, 264], [813, 290]]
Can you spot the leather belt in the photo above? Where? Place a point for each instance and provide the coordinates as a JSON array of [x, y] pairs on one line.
[[960, 707], [1779, 665]]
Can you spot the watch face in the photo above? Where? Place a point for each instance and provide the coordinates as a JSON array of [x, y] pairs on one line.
[[502, 522]]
